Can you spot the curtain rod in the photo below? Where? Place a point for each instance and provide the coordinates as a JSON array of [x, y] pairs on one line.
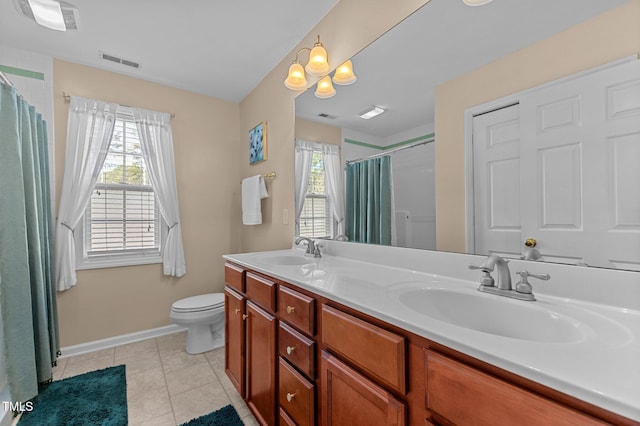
[[5, 80], [67, 99], [382, 154]]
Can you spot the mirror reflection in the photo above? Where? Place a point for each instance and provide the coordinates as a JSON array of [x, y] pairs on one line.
[[434, 61]]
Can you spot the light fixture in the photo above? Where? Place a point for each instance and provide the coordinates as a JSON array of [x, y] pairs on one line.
[[324, 88], [344, 74], [48, 14], [318, 65], [476, 2], [371, 112]]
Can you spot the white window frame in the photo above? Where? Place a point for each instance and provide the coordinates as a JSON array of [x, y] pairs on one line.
[[112, 260], [324, 196]]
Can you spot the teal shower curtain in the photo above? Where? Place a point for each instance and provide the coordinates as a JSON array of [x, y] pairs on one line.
[[27, 290], [369, 203]]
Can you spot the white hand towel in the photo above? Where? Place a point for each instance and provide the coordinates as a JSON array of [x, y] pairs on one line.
[[253, 190]]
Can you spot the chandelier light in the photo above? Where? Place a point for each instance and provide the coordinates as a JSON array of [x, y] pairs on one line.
[[318, 66]]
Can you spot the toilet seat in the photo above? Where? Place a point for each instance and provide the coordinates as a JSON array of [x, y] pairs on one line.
[[203, 302]]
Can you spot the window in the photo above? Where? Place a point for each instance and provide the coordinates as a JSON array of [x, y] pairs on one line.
[[315, 219], [122, 221]]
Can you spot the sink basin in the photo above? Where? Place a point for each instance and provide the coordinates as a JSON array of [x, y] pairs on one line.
[[494, 315]]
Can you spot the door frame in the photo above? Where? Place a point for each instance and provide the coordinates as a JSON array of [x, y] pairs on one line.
[[487, 107]]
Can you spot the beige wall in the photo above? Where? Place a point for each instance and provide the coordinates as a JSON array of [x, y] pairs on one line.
[[349, 27], [115, 301], [608, 37], [317, 132]]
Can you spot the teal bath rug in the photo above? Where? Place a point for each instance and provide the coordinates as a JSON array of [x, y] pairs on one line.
[[226, 416], [94, 398]]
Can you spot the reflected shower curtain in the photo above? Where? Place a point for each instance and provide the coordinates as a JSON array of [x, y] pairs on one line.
[[369, 201], [27, 291]]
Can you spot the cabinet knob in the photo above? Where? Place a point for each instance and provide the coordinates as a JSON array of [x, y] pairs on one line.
[[290, 349], [237, 311], [530, 242], [290, 396], [245, 316], [290, 309]]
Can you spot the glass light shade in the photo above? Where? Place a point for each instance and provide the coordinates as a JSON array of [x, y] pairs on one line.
[[344, 74], [325, 88], [296, 79], [476, 2], [318, 64], [48, 14]]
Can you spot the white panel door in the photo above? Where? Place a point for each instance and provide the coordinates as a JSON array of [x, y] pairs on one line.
[[496, 158], [580, 180]]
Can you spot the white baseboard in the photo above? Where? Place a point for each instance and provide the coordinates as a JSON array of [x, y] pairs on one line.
[[110, 342]]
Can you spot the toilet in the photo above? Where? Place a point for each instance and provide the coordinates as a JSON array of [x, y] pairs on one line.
[[203, 315]]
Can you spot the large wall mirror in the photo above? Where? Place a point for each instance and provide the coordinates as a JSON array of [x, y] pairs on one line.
[[408, 70]]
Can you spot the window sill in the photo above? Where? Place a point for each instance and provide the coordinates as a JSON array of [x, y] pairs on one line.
[[117, 261]]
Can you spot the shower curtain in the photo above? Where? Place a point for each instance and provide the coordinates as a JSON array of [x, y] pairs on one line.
[[27, 293], [370, 201]]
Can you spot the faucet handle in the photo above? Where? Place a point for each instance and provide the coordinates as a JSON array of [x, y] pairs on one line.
[[524, 274], [523, 285]]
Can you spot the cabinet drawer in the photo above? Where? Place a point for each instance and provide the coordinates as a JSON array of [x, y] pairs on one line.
[[234, 276], [297, 395], [349, 398], [298, 349], [297, 309], [376, 351], [261, 290], [464, 395]]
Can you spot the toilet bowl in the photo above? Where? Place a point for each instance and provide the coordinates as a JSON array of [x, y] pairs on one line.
[[203, 315]]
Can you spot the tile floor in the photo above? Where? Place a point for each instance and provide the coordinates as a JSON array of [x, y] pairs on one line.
[[165, 385]]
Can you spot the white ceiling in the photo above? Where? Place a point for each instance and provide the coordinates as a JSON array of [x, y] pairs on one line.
[[442, 40], [220, 48]]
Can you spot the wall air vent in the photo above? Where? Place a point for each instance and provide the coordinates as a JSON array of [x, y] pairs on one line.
[[325, 115], [118, 60], [69, 13]]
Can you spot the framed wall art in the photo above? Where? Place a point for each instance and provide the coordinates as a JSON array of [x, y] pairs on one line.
[[258, 143]]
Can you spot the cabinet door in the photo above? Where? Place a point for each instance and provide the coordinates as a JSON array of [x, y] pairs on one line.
[[261, 363], [234, 334], [350, 398]]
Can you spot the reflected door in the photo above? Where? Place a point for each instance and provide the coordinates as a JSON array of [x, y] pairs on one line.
[[562, 167], [579, 158], [496, 154]]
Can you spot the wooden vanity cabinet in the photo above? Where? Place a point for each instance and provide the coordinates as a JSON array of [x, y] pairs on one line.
[[234, 335], [261, 364], [297, 350], [350, 398], [300, 359], [460, 394]]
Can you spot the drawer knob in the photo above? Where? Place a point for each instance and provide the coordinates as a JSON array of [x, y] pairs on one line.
[[290, 396], [290, 309], [245, 316], [290, 349], [237, 311]]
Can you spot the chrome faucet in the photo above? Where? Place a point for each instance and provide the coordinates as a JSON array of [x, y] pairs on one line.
[[504, 275], [503, 286], [312, 248]]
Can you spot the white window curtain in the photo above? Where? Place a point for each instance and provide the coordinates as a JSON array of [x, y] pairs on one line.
[[335, 186], [156, 141], [89, 131], [303, 157]]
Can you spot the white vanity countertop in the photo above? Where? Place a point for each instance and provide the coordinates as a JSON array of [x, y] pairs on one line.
[[602, 368]]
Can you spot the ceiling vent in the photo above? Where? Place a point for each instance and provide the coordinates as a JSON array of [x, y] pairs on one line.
[[69, 13], [118, 60]]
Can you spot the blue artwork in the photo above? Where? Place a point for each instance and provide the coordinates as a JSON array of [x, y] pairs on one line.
[[258, 143]]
